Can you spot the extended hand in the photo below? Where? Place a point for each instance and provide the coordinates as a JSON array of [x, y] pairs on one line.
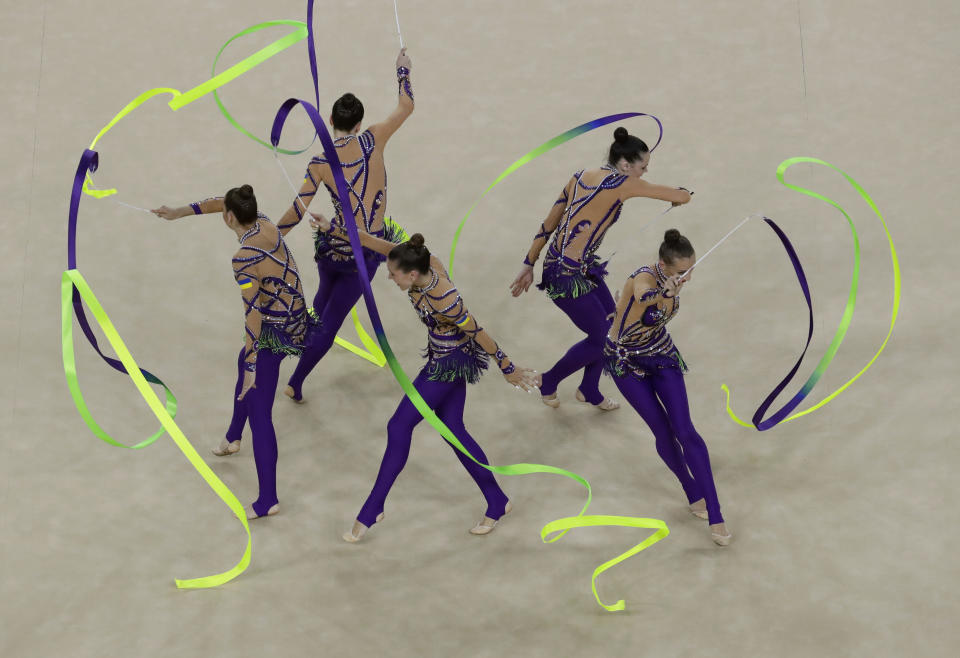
[[522, 378], [319, 222], [522, 283], [166, 212], [673, 286]]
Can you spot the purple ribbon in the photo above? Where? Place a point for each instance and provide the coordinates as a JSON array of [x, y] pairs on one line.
[[792, 404]]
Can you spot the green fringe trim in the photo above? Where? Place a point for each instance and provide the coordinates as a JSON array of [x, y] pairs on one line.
[[393, 232], [573, 286], [269, 340]]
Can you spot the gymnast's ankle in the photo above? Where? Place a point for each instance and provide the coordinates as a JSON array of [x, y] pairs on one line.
[[293, 393]]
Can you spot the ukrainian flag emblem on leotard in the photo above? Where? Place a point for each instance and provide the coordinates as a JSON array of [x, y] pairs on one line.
[[465, 318], [245, 283]]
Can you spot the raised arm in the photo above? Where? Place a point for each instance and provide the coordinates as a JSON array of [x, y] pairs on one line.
[[525, 278], [205, 207], [372, 242], [384, 130], [293, 215], [638, 187]]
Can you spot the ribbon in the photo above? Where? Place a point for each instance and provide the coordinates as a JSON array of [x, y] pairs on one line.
[[781, 416], [560, 526], [74, 291], [181, 99], [372, 353], [74, 285], [216, 96], [549, 145]]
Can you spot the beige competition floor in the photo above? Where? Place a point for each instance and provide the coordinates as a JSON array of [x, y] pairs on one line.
[[845, 521]]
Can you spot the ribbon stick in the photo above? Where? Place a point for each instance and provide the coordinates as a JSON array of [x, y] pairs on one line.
[[547, 146], [560, 526], [396, 14], [781, 416]]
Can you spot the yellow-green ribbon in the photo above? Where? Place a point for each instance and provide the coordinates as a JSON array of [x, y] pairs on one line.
[[851, 298], [73, 278]]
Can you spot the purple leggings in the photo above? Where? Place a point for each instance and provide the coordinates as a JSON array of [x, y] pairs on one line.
[[678, 444], [338, 291], [589, 312], [257, 407], [447, 399]]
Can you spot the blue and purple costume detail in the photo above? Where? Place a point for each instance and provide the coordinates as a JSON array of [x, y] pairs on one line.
[[573, 276], [277, 325], [453, 359], [339, 288], [648, 370]]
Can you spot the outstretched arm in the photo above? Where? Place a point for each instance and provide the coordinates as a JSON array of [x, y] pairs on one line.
[[207, 206], [638, 187], [372, 242], [384, 130]]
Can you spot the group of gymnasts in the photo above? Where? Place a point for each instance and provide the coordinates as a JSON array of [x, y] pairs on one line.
[[626, 337]]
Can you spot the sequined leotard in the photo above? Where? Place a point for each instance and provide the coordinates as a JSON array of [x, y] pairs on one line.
[[452, 352], [571, 267], [365, 171], [638, 341], [276, 318]]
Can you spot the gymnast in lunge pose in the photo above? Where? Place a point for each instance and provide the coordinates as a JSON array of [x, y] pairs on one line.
[[276, 325], [648, 369], [573, 274], [458, 350], [361, 154]]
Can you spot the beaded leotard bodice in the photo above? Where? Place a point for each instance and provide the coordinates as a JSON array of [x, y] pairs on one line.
[[638, 338], [451, 352], [264, 259], [367, 178], [590, 212]]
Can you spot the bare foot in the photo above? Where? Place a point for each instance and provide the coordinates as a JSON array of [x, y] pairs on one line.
[[699, 509]]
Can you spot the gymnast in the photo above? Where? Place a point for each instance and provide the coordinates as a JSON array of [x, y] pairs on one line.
[[648, 369], [277, 325], [573, 274], [458, 351], [361, 154]]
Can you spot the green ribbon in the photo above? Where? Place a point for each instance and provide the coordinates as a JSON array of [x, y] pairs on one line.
[[73, 278], [851, 298]]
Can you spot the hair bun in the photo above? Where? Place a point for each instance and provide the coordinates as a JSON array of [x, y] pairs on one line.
[[416, 240], [245, 191], [671, 236], [620, 135]]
